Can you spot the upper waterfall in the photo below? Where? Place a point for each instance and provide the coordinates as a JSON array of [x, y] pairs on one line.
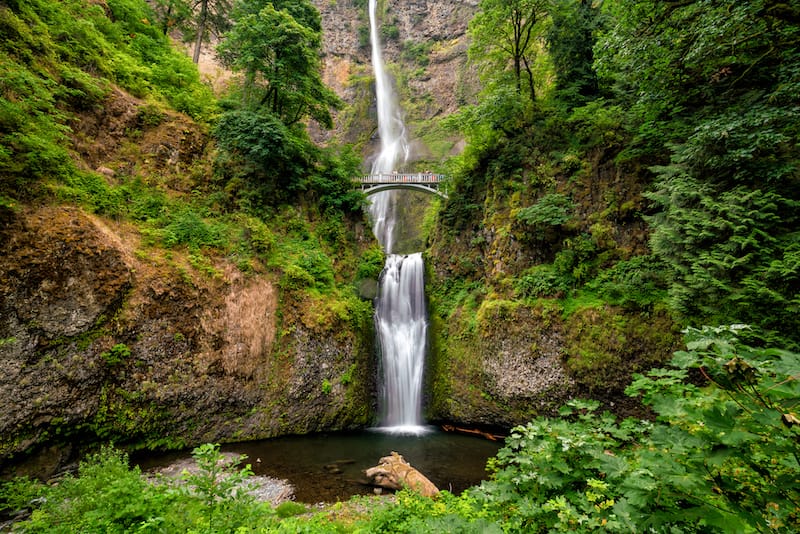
[[391, 128]]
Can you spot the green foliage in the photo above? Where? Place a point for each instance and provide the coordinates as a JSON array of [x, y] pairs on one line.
[[259, 235], [389, 32], [107, 496], [327, 387], [417, 52], [640, 282], [371, 264], [271, 156], [504, 39], [551, 475], [219, 484], [715, 110], [57, 59], [186, 227], [277, 50], [571, 39], [414, 513], [721, 458], [290, 509], [19, 494], [573, 265], [541, 281], [729, 453], [330, 181], [721, 245], [604, 346], [493, 311], [117, 354], [553, 209]]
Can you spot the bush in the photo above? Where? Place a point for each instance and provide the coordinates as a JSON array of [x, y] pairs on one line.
[[719, 458], [371, 265], [541, 281], [638, 282], [553, 209], [186, 227]]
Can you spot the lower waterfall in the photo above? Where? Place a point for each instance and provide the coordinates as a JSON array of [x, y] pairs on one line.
[[401, 322]]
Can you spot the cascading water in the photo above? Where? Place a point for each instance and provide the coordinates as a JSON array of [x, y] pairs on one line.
[[402, 325], [400, 314], [391, 128]]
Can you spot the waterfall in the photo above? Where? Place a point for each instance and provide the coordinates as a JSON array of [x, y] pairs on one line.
[[391, 128], [400, 314], [402, 325]]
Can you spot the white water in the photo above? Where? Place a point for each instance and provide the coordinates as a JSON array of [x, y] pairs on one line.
[[391, 128], [400, 314], [401, 321]]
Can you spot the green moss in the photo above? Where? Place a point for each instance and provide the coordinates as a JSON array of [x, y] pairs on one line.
[[493, 312], [604, 346]]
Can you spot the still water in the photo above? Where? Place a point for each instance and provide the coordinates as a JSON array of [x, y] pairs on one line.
[[330, 467]]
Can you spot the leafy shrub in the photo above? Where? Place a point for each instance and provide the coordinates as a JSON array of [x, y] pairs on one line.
[[260, 236], [541, 281], [719, 458], [260, 147], [389, 32], [295, 277], [371, 264], [289, 509], [107, 496], [186, 227], [553, 209], [417, 52], [640, 281], [144, 204], [117, 354], [319, 266]]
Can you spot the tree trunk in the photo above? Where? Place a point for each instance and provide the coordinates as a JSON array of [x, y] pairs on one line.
[[201, 30]]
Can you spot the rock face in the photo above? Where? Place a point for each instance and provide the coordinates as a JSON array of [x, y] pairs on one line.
[[426, 49], [99, 342]]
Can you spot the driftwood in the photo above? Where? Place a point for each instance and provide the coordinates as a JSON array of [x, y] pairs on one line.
[[393, 472], [491, 437]]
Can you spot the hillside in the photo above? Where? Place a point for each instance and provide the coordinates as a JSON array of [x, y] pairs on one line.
[[143, 301]]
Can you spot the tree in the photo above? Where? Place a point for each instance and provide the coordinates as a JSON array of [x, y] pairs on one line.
[[714, 86], [570, 41], [279, 57], [505, 33], [196, 19], [303, 11]]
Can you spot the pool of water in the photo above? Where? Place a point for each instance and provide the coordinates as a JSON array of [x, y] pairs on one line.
[[330, 467]]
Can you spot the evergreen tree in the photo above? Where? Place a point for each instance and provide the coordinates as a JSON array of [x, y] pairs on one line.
[[570, 41], [714, 86]]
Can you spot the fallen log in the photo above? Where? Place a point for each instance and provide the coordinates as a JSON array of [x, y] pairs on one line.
[[475, 431], [393, 472]]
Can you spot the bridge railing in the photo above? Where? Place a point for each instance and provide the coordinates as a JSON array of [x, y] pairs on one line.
[[396, 177]]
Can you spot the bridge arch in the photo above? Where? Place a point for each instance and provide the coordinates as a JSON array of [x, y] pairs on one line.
[[427, 182]]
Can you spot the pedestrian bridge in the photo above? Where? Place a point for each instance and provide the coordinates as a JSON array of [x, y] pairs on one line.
[[422, 181]]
